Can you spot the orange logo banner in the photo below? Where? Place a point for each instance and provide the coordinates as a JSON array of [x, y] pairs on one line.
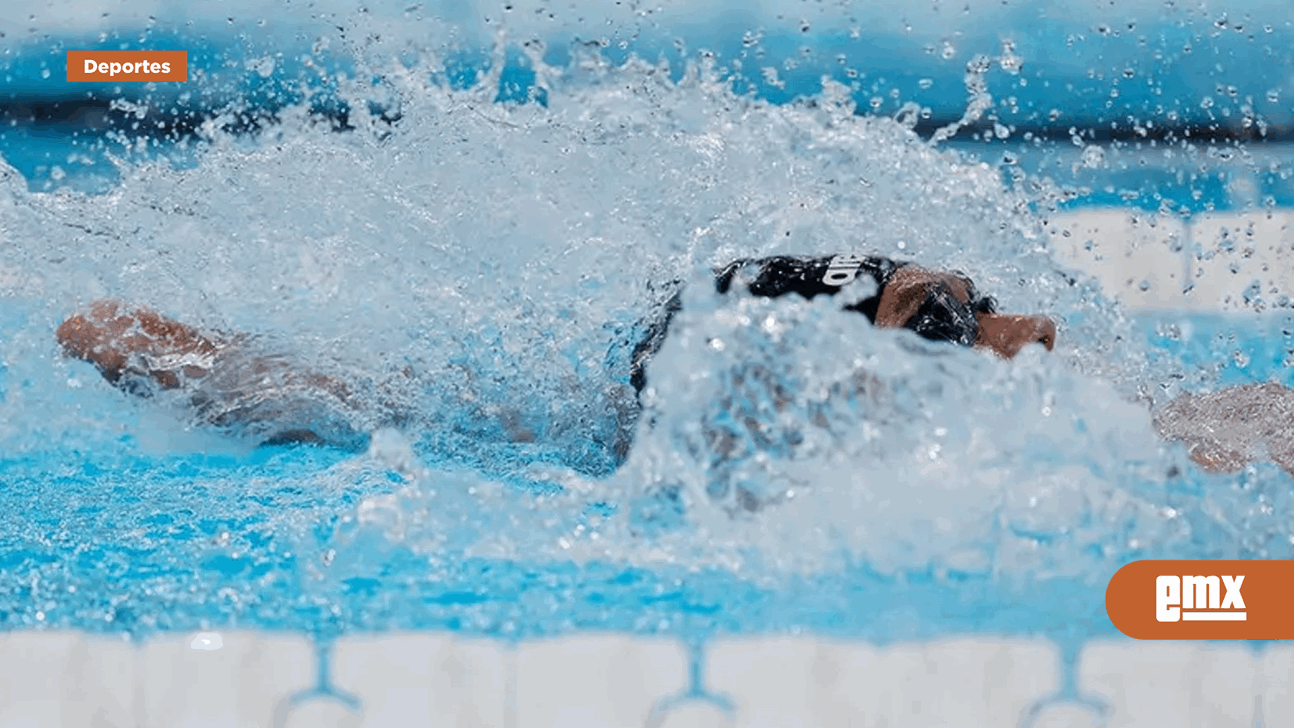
[[1203, 600], [127, 66]]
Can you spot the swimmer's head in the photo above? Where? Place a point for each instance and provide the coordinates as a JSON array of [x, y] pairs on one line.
[[945, 307]]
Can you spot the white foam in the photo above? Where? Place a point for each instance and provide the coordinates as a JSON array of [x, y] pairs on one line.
[[513, 280]]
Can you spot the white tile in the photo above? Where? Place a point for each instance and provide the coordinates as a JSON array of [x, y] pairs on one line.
[[817, 684], [1179, 684], [1067, 715], [238, 685], [1218, 256], [1125, 249], [413, 680], [1276, 684], [598, 681], [319, 712], [65, 679], [693, 714], [1260, 250], [791, 682]]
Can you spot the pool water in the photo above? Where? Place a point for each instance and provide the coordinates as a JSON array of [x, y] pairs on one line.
[[488, 265]]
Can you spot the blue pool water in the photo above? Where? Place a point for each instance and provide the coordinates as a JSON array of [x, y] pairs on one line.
[[500, 246]]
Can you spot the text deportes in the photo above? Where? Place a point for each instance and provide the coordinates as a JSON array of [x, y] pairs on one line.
[[113, 68]]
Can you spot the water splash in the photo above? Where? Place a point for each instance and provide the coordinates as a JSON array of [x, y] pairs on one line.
[[488, 268]]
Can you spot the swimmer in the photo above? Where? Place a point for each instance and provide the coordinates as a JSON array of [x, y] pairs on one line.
[[937, 305], [140, 350]]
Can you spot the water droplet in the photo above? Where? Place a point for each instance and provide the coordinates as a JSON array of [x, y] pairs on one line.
[[1093, 157], [1008, 60], [206, 641], [263, 66]]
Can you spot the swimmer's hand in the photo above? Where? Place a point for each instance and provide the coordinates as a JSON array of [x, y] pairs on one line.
[[1225, 430], [121, 339], [127, 342]]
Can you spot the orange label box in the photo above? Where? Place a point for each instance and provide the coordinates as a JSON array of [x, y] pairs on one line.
[[127, 66], [1203, 600]]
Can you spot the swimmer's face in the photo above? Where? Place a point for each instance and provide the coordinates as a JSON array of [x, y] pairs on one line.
[[943, 307]]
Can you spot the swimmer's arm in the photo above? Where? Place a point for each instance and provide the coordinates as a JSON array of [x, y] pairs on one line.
[[121, 339]]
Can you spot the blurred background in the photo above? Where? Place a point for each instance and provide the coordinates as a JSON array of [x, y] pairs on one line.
[[1081, 90]]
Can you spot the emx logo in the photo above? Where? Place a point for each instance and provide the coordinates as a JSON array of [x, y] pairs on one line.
[[1202, 600], [1195, 599]]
